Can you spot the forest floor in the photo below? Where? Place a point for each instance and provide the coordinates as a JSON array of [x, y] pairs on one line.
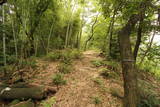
[[85, 86]]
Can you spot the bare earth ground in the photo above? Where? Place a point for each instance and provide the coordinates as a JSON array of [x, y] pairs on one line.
[[81, 89]]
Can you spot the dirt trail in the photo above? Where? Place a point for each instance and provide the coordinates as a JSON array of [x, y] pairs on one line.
[[81, 90]]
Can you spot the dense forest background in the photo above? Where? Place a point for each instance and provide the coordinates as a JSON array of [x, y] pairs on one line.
[[124, 32]]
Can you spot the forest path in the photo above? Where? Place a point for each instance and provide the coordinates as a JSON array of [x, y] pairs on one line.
[[81, 89]]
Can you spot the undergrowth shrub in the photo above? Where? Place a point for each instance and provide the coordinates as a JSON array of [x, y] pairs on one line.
[[97, 63], [58, 79], [97, 100], [66, 58], [148, 96], [64, 68], [64, 55], [116, 92], [48, 103], [28, 63], [76, 54], [151, 68], [53, 56], [98, 81], [112, 65], [7, 68], [12, 59], [109, 74]]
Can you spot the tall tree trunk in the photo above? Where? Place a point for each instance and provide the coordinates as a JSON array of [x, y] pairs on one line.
[[69, 26], [70, 34], [67, 34], [49, 37], [15, 40], [127, 58], [4, 39], [111, 32], [106, 38], [159, 16], [79, 38], [128, 64]]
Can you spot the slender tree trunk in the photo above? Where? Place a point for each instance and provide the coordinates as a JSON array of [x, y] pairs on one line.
[[4, 39], [148, 47], [15, 40], [92, 33], [111, 32], [67, 34], [138, 42], [80, 36], [159, 16], [36, 46], [69, 26], [49, 37], [70, 34], [106, 38], [77, 40]]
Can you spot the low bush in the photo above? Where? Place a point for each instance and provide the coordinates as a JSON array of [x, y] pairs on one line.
[[109, 74], [12, 59], [48, 103], [97, 63], [64, 55], [116, 92], [64, 68], [28, 63], [151, 67], [97, 100], [112, 65], [53, 56], [76, 54], [58, 79], [148, 96], [98, 81]]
